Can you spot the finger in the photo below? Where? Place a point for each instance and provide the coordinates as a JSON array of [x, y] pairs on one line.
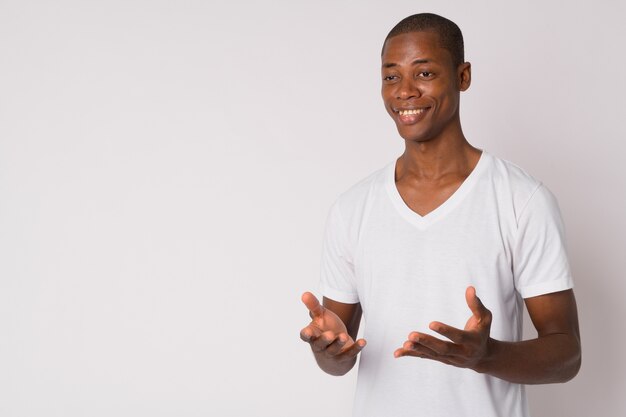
[[335, 347], [440, 347], [474, 303], [309, 333], [423, 354], [412, 349], [456, 335], [323, 341], [312, 303], [419, 351], [443, 359], [398, 353], [354, 350], [401, 352]]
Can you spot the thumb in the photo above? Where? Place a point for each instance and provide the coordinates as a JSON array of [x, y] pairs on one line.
[[312, 303], [474, 303]]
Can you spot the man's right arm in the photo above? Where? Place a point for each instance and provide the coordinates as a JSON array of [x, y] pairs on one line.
[[331, 333]]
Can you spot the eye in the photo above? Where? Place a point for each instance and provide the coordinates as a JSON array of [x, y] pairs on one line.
[[425, 74], [390, 78]]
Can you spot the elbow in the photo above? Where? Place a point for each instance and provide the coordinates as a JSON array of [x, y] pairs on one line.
[[572, 367], [575, 366], [566, 365]]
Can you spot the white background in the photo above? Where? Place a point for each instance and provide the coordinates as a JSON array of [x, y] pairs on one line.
[[166, 169]]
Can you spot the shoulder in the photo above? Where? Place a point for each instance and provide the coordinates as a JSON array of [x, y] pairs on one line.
[[516, 185], [355, 199], [507, 173]]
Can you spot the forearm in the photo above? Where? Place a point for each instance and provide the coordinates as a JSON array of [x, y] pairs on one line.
[[548, 359]]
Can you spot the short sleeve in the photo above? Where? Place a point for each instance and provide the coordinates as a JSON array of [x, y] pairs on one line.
[[540, 264], [337, 280]]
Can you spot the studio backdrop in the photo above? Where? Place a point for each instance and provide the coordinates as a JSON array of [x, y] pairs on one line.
[[166, 169]]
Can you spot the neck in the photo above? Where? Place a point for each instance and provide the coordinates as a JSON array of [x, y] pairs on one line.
[[437, 158]]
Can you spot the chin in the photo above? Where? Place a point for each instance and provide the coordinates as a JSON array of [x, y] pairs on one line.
[[415, 137]]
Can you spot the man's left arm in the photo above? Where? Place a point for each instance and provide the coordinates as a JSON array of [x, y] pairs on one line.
[[554, 356]]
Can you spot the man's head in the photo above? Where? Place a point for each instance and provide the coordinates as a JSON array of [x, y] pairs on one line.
[[449, 34], [423, 74]]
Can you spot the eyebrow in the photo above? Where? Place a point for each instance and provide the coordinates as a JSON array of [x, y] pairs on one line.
[[417, 61]]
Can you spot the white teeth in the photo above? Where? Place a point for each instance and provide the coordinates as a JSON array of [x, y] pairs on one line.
[[408, 112]]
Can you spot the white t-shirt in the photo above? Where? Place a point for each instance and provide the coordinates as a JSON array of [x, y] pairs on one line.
[[501, 232]]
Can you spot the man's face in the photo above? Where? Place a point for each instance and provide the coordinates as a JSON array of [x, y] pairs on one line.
[[421, 85]]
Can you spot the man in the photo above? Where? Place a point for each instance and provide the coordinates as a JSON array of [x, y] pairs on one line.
[[404, 244]]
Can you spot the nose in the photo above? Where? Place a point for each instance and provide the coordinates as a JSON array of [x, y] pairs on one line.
[[407, 89]]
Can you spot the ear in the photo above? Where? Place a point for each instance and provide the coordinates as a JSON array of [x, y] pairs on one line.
[[464, 75]]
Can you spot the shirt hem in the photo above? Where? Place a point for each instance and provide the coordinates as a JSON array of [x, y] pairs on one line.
[[547, 287], [340, 296]]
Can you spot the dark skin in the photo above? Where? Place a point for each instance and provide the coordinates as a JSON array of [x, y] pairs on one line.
[[421, 91], [332, 333]]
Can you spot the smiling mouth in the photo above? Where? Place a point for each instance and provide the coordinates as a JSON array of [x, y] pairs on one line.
[[411, 116], [410, 112]]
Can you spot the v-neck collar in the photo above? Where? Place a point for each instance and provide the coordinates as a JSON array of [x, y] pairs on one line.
[[446, 207]]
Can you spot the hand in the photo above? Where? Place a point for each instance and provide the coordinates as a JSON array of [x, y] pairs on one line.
[[467, 348], [327, 334]]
